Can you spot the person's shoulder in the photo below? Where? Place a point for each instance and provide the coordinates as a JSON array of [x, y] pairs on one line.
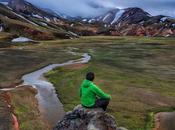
[[93, 85]]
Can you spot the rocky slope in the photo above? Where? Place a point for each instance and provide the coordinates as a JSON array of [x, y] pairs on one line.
[[134, 22], [87, 119], [22, 18]]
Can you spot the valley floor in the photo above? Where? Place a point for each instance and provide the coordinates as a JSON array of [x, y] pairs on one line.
[[138, 72]]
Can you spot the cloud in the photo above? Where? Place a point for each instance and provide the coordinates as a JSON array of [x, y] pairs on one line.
[[154, 7], [86, 8], [83, 8]]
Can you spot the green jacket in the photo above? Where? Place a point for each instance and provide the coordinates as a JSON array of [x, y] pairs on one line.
[[89, 92]]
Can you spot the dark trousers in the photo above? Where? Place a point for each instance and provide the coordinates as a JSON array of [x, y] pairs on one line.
[[102, 103]]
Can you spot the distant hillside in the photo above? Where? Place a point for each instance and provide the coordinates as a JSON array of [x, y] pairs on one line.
[[22, 18], [133, 22]]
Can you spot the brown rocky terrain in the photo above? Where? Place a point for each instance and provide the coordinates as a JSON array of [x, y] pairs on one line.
[[22, 18], [7, 117], [87, 119]]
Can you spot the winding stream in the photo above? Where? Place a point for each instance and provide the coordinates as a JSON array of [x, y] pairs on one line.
[[52, 109], [49, 105]]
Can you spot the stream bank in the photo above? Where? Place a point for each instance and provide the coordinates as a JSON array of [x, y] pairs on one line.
[[49, 105]]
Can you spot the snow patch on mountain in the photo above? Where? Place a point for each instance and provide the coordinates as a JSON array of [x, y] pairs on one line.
[[55, 19], [163, 19], [9, 7], [84, 20], [22, 39], [47, 19], [37, 16], [44, 24], [24, 18], [91, 20], [1, 28], [118, 15], [106, 17]]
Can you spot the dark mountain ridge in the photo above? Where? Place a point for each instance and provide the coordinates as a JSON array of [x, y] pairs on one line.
[[121, 22]]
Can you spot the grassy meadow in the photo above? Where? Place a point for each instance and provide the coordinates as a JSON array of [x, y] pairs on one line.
[[26, 109], [20, 59], [137, 72]]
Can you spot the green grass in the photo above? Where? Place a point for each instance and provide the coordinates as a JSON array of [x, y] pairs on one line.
[[151, 114], [5, 39], [20, 27], [139, 76], [129, 68], [19, 60], [5, 36], [26, 109], [113, 39]]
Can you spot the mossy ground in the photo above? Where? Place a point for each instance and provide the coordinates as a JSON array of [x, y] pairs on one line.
[[17, 60], [137, 72], [129, 68], [21, 59]]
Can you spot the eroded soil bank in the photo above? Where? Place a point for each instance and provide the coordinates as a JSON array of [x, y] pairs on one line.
[[165, 121]]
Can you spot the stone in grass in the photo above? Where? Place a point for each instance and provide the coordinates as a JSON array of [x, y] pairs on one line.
[[87, 119]]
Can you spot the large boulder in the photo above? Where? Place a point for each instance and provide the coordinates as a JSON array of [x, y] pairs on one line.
[[87, 119]]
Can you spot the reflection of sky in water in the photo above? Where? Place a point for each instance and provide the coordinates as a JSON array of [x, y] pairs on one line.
[[96, 7], [49, 104]]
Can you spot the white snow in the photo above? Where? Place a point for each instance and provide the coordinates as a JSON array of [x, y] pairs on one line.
[[37, 16], [84, 20], [24, 18], [118, 15], [163, 19], [55, 19], [47, 19], [72, 25], [91, 20], [173, 24], [44, 24], [22, 39], [149, 15], [4, 3], [142, 22], [9, 7], [167, 35], [106, 17], [99, 18], [1, 28], [73, 33]]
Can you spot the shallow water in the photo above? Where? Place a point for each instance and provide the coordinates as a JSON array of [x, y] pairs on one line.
[[49, 105]]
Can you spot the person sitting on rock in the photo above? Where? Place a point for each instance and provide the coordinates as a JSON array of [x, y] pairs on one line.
[[92, 96]]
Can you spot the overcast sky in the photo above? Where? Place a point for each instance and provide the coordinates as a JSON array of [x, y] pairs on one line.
[[96, 7]]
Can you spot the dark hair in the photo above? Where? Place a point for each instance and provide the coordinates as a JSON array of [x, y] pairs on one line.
[[90, 76]]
